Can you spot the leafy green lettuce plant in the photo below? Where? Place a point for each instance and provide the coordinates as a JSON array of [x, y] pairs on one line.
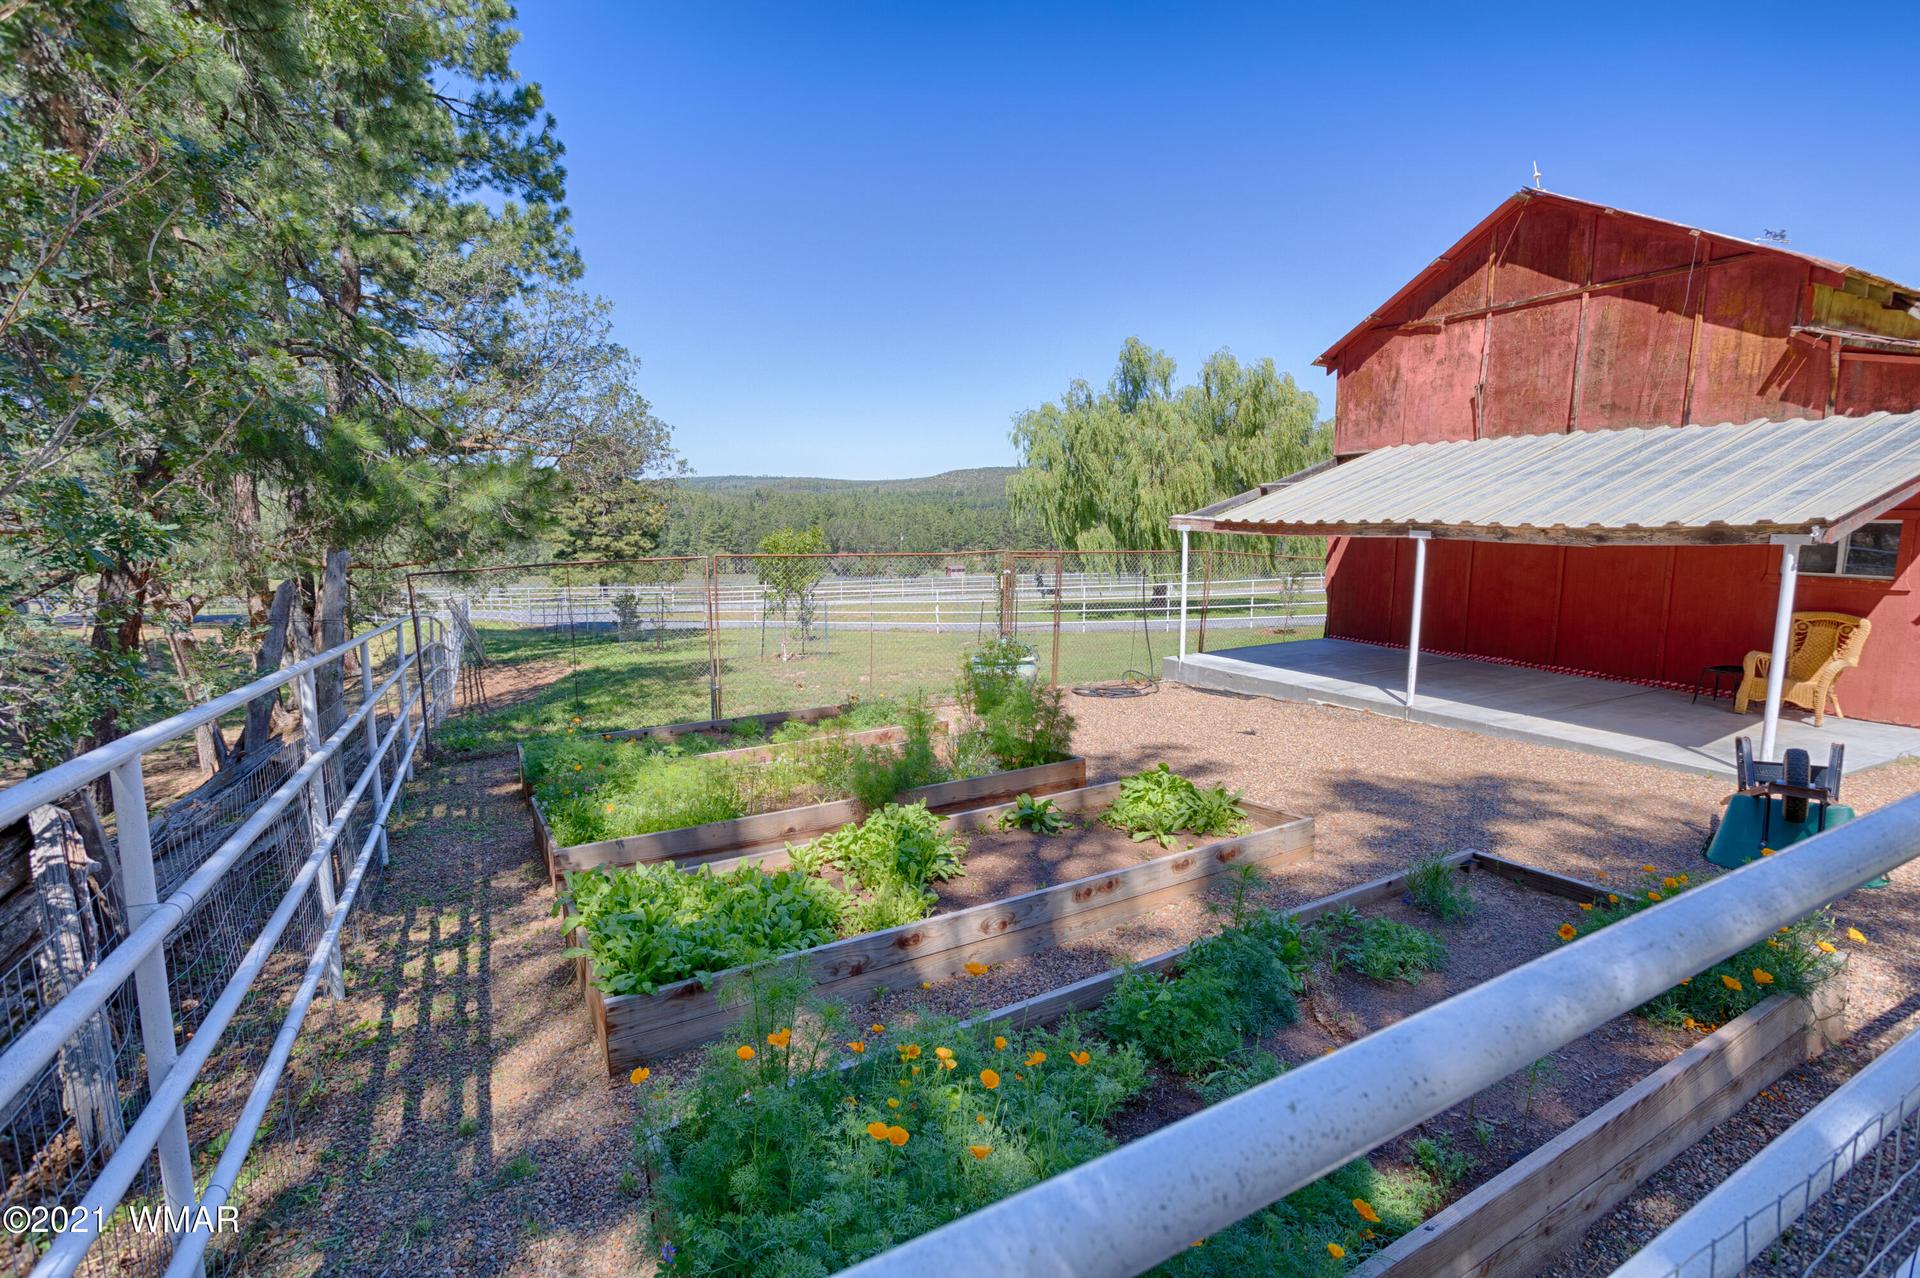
[[1160, 803]]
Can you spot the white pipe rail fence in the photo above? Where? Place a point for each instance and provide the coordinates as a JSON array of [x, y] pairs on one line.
[[1130, 1209], [297, 853]]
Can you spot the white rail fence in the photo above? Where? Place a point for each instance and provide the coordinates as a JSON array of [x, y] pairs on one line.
[[1836, 1193], [1085, 602], [171, 959], [1130, 1209]]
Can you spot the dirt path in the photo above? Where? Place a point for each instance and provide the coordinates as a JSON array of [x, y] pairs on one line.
[[460, 1126]]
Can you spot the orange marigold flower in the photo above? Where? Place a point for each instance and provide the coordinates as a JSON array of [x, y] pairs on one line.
[[1367, 1213], [909, 1051], [979, 1151], [1336, 1251], [1079, 1058], [1567, 932], [856, 1046], [976, 969], [989, 1079], [1761, 976], [780, 1038], [896, 1136], [1732, 982], [1036, 1058], [877, 1130], [744, 1052], [1653, 895], [944, 1053], [876, 1028], [999, 1042], [640, 1075]]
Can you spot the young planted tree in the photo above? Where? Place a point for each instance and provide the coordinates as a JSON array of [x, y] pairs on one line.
[[792, 575]]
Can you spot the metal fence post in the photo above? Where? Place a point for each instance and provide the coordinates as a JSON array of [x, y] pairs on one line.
[[373, 739], [404, 703], [420, 673], [150, 977], [713, 636], [319, 815]]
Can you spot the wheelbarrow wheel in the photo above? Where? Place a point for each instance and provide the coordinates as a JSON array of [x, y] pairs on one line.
[[1799, 771]]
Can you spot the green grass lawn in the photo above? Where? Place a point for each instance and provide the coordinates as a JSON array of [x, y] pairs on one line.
[[539, 681]]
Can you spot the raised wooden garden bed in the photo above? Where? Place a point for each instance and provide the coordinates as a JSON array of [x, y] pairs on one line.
[[719, 841], [1511, 1225], [632, 1029]]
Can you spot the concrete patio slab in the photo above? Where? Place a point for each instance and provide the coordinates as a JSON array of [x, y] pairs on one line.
[[1576, 712]]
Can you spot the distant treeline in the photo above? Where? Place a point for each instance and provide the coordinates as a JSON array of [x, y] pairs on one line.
[[966, 510]]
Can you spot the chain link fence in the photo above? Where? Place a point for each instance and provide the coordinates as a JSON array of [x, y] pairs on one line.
[[626, 642]]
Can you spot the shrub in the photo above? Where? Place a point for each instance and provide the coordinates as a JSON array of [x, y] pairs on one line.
[[1016, 723], [1386, 950], [1228, 987], [1796, 960], [877, 774], [1439, 889], [649, 925], [1160, 803]]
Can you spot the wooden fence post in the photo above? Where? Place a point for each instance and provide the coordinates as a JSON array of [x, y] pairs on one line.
[[88, 1085]]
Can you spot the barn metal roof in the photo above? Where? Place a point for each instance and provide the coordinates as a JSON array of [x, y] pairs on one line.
[[1388, 312], [1656, 485]]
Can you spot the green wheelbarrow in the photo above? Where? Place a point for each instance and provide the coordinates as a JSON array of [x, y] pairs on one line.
[[1778, 805]]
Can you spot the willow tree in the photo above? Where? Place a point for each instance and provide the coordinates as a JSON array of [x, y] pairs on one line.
[[1106, 469]]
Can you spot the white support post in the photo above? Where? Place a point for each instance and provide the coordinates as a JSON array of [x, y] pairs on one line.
[[1183, 594], [373, 739], [404, 703], [1782, 632], [319, 816], [1413, 625], [135, 840]]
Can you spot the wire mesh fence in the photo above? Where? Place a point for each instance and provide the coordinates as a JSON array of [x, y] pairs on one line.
[[191, 1013], [622, 643], [1837, 1194]]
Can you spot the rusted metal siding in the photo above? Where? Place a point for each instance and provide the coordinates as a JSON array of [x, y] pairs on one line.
[[1707, 338]]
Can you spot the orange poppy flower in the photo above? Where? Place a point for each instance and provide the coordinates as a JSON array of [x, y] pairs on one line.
[[1567, 932], [989, 1079], [744, 1052], [979, 1151]]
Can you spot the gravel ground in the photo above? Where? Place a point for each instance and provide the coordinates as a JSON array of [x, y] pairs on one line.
[[460, 1007]]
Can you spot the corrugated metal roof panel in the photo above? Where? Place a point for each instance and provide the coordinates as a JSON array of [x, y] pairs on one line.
[[1684, 483]]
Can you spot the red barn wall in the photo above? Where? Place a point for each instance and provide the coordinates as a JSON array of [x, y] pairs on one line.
[[1546, 321]]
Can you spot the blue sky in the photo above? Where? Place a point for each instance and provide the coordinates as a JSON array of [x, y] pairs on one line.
[[855, 240]]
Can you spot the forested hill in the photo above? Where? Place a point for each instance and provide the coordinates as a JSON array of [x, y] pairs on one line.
[[954, 510]]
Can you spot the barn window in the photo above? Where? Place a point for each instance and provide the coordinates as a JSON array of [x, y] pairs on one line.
[[1872, 550]]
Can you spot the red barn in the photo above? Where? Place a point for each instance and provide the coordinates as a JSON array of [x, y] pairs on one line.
[[1556, 315]]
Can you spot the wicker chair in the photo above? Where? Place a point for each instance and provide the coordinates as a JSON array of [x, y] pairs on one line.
[[1819, 646]]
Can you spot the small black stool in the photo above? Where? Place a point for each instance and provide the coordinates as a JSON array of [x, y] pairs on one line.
[[1710, 677]]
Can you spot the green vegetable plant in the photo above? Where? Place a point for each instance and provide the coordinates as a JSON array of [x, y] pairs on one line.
[[1039, 816], [1160, 803], [1438, 889], [1007, 717], [1383, 949], [649, 925]]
